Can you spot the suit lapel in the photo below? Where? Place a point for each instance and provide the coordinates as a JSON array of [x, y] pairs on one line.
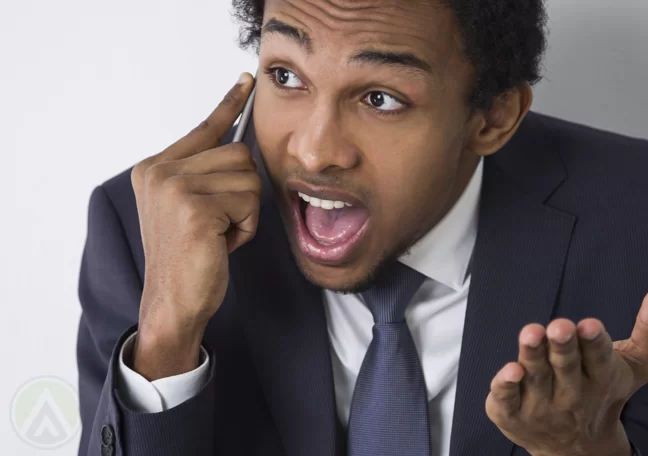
[[287, 336], [517, 267]]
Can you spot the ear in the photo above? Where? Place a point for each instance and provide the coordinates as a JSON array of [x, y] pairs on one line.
[[492, 129]]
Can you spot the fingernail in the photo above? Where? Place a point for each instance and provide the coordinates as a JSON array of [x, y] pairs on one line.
[[533, 344], [591, 336], [563, 339], [242, 79]]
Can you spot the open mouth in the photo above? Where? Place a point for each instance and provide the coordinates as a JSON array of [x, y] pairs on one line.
[[329, 231]]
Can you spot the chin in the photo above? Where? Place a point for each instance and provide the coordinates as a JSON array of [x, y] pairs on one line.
[[348, 278]]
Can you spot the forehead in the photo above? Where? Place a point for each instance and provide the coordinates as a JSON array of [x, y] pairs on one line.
[[425, 27]]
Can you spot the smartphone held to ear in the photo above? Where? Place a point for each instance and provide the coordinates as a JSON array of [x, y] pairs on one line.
[[241, 129]]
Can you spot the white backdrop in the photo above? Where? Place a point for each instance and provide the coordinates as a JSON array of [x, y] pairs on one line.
[[89, 88]]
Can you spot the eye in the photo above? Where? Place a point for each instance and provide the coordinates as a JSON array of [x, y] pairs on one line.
[[285, 78], [384, 102]]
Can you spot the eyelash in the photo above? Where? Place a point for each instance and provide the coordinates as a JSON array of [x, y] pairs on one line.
[[270, 72]]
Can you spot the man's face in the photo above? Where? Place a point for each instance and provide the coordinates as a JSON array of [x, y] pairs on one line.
[[368, 108]]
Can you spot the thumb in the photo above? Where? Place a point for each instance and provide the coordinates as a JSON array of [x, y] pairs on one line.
[[635, 349]]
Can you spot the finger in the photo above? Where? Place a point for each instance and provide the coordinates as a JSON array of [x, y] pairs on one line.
[[537, 383], [242, 210], [565, 360], [639, 336], [214, 183], [209, 133], [635, 349], [504, 399], [231, 157], [596, 351]]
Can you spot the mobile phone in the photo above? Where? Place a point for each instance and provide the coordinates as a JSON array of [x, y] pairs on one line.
[[241, 129]]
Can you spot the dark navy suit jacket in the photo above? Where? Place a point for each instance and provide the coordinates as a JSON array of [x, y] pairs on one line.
[[563, 232]]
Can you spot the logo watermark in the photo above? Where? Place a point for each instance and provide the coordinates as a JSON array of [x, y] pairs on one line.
[[45, 412]]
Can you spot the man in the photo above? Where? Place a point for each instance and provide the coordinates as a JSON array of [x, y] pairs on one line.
[[399, 259]]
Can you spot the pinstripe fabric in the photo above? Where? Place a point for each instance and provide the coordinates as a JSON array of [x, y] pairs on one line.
[[389, 413], [561, 234]]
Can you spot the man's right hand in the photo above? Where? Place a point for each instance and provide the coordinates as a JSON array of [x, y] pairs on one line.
[[197, 203]]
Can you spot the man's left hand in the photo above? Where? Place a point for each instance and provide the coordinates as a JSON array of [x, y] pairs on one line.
[[565, 394]]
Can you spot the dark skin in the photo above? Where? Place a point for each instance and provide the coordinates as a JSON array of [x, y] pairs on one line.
[[424, 150], [199, 201]]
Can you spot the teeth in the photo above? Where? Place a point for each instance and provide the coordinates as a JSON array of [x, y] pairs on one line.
[[324, 204]]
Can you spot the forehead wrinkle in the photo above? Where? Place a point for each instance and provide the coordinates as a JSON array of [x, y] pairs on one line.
[[348, 22], [380, 27], [348, 17]]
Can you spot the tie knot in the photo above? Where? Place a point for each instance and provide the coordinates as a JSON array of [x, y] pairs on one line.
[[392, 292]]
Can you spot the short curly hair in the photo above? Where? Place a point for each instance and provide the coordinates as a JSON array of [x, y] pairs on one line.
[[505, 41]]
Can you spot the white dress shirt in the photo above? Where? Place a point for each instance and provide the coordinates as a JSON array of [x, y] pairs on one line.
[[435, 318]]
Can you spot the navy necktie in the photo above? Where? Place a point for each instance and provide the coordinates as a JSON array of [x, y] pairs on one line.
[[389, 409]]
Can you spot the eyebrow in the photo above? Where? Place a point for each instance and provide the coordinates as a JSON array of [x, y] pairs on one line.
[[371, 57], [300, 37]]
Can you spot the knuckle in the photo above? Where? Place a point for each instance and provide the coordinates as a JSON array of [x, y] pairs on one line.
[[139, 170], [175, 186], [191, 213], [253, 182], [241, 153], [156, 174], [491, 409], [231, 99], [203, 126], [238, 156], [539, 376], [499, 415], [567, 363]]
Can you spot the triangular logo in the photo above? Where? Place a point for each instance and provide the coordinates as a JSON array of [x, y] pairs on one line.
[[46, 424]]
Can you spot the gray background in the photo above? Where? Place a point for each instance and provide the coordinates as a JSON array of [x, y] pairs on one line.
[[89, 88]]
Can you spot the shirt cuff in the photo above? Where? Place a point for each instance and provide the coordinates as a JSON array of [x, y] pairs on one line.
[[143, 396]]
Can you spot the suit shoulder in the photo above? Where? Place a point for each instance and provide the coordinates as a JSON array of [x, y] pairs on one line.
[[119, 191], [605, 171], [577, 142]]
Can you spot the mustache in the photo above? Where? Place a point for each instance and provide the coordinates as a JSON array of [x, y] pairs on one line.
[[330, 180]]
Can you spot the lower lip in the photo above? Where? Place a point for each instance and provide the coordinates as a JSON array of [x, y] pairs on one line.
[[330, 255]]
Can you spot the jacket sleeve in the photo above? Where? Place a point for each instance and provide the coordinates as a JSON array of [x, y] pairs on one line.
[[110, 291], [635, 421]]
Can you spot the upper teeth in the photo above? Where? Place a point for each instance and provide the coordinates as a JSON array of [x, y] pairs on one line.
[[324, 204]]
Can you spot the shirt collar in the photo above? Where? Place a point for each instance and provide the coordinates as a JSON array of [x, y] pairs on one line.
[[444, 253]]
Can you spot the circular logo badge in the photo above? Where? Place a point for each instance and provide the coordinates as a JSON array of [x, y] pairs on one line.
[[45, 412]]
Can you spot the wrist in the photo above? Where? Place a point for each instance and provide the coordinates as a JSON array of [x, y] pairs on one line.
[[166, 347], [616, 444]]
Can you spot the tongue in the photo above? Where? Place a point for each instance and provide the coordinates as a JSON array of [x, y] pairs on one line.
[[334, 226]]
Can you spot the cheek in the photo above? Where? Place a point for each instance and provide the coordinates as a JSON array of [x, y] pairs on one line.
[[414, 180]]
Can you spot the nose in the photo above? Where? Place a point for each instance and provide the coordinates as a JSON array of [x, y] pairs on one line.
[[319, 144]]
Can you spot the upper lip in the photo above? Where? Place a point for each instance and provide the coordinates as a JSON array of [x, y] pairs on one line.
[[325, 193]]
